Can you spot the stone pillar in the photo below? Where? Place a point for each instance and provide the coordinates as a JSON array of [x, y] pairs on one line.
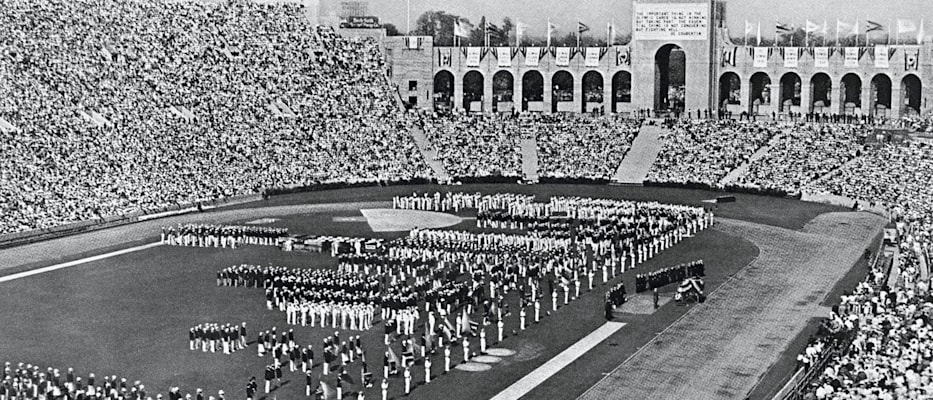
[[578, 92], [458, 92], [806, 102], [517, 97], [487, 93], [897, 101], [866, 99], [745, 94], [607, 94], [775, 98], [548, 90]]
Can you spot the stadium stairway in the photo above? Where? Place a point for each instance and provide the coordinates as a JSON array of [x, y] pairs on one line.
[[739, 172], [529, 149], [430, 155], [645, 149]]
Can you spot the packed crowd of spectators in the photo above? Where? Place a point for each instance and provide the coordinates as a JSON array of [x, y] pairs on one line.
[[578, 146], [705, 151], [233, 64], [803, 153], [473, 145]]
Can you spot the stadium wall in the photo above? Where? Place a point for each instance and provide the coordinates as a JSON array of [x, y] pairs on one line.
[[708, 62]]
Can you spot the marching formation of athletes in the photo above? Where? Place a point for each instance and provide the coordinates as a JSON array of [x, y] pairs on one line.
[[666, 276], [200, 235], [435, 290], [456, 201], [217, 337]]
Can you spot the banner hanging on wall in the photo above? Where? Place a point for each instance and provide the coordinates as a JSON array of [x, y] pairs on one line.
[[532, 55]]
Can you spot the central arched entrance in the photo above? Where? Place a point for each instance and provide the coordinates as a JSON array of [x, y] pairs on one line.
[[473, 91], [503, 85], [532, 91], [444, 90], [562, 96], [670, 65], [592, 91]]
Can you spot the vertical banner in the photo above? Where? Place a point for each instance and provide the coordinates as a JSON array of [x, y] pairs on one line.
[[473, 55], [881, 57], [563, 56], [729, 56], [532, 55], [761, 57], [443, 57], [623, 56], [821, 57], [504, 54], [911, 59], [791, 57], [592, 57], [851, 60]]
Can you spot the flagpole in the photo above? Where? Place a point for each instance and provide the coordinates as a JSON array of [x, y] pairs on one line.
[[746, 33], [837, 32], [549, 32]]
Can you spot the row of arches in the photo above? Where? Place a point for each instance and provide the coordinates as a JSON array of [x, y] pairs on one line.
[[532, 90], [822, 99]]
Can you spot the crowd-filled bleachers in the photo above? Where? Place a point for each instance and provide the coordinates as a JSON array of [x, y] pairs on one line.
[[802, 154], [579, 146], [473, 145], [702, 151], [271, 101]]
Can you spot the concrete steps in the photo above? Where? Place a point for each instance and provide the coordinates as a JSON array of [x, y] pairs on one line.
[[430, 155], [529, 149], [645, 149]]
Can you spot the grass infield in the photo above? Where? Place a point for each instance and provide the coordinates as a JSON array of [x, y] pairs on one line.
[[129, 315]]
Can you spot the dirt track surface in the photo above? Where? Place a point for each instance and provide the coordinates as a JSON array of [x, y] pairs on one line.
[[719, 349], [51, 251]]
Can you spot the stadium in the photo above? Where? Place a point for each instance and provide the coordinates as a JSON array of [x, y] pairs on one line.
[[235, 199]]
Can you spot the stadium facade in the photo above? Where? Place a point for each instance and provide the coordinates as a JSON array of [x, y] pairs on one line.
[[890, 80]]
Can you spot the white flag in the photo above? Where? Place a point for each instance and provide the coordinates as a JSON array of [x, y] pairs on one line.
[[459, 29], [812, 27], [905, 25], [920, 33], [749, 27]]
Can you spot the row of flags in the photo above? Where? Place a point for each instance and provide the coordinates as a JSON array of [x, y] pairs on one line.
[[462, 29], [844, 29], [881, 56], [473, 56]]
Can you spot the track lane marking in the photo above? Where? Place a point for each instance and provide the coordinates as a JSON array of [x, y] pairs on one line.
[[559, 362], [56, 267]]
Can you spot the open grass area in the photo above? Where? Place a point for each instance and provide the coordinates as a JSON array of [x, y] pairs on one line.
[[129, 315]]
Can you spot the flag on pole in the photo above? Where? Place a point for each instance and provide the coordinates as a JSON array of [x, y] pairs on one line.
[[905, 26], [551, 28], [749, 28], [872, 26], [920, 33], [845, 29], [581, 27], [520, 28], [758, 36], [783, 28], [812, 27], [460, 29], [611, 34]]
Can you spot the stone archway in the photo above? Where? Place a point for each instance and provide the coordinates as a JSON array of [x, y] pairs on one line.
[[473, 91], [821, 87], [532, 91], [880, 95], [730, 90], [562, 92], [592, 90], [503, 89], [850, 94], [670, 64], [444, 90], [621, 89]]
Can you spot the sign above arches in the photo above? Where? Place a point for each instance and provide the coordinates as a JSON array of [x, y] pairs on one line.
[[670, 21]]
